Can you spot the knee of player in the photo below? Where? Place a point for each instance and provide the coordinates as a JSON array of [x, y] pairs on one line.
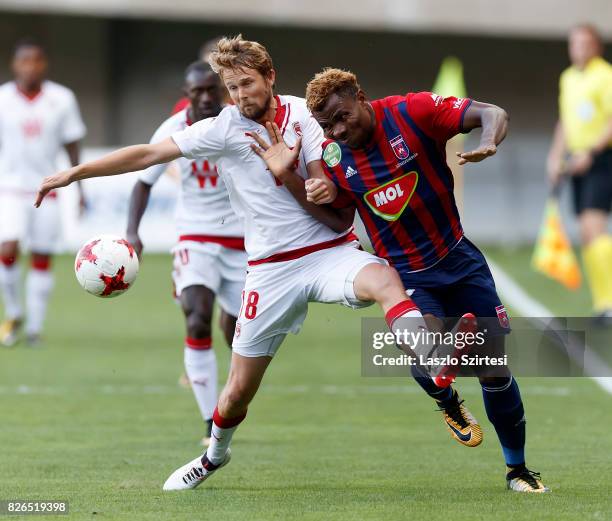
[[593, 223], [588, 235], [236, 397], [496, 378], [9, 251], [385, 283], [198, 324]]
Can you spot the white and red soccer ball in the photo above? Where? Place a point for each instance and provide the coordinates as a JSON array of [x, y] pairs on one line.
[[106, 266]]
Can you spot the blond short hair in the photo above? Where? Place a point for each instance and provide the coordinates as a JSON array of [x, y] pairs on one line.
[[238, 53], [327, 82]]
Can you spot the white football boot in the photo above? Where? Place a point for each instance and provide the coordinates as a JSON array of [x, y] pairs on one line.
[[194, 473]]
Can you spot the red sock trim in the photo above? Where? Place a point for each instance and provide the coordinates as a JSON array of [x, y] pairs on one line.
[[42, 264], [399, 310], [198, 344], [226, 423], [8, 261]]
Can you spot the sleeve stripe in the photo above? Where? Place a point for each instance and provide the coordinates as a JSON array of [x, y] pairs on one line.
[[467, 105]]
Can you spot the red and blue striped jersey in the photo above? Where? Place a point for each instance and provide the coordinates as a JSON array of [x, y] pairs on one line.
[[400, 182]]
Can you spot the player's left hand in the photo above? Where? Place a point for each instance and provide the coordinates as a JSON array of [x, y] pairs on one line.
[[51, 183], [475, 156], [279, 157], [580, 163]]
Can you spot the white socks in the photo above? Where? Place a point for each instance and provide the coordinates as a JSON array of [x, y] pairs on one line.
[[201, 368], [407, 324], [39, 284], [222, 431], [11, 291]]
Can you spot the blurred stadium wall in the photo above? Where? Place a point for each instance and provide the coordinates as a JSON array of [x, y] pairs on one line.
[[125, 61]]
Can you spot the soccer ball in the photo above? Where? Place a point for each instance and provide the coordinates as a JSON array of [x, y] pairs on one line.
[[106, 266]]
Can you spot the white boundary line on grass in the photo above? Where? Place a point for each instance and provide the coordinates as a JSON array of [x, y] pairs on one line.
[[274, 389], [529, 307]]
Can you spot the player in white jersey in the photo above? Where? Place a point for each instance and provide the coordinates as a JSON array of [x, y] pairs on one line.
[[293, 257], [209, 258], [38, 119]]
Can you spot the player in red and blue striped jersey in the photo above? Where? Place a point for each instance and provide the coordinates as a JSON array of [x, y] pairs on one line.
[[387, 158], [399, 180]]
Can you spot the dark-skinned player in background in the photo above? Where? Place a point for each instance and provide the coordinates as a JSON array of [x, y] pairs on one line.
[[209, 259], [38, 119], [387, 158]]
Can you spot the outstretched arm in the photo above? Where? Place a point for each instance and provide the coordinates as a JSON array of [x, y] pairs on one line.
[[494, 123], [128, 159]]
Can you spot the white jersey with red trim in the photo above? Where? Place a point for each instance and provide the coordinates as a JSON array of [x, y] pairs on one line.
[[274, 221], [33, 131], [203, 206]]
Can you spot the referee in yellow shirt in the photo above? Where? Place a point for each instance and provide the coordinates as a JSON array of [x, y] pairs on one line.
[[582, 148]]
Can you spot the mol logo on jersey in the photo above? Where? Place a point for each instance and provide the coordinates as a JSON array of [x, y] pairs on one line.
[[390, 200]]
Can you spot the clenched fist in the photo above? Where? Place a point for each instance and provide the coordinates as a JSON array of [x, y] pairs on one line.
[[318, 191]]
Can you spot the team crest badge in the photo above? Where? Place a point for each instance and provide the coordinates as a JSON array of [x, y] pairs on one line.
[[332, 155], [297, 128], [389, 201], [502, 316], [400, 149], [238, 330]]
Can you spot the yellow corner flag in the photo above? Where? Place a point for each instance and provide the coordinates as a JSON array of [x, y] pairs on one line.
[[553, 255], [450, 79], [450, 83]]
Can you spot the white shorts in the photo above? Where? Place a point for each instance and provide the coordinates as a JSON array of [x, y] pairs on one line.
[[220, 269], [37, 229], [276, 295]]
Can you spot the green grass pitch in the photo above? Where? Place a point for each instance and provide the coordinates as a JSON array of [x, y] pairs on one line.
[[96, 418]]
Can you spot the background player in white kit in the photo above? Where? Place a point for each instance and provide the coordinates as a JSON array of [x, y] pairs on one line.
[[209, 259], [38, 118], [293, 258]]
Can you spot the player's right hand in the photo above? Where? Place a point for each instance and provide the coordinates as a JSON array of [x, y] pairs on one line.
[[554, 170], [278, 156], [134, 240], [51, 183], [580, 163], [477, 155], [318, 192]]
